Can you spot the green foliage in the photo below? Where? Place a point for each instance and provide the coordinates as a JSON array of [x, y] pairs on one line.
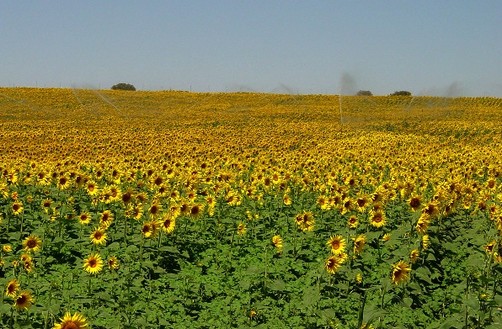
[[401, 93], [123, 86]]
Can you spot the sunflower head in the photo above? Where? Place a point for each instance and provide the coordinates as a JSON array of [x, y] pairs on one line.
[[75, 321], [93, 264], [336, 244], [23, 301], [32, 243], [400, 272]]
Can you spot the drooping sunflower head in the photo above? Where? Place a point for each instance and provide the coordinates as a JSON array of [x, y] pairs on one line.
[[359, 243], [414, 254], [400, 272], [75, 321]]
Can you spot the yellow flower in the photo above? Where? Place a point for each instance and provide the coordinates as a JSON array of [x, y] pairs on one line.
[[98, 237], [359, 243], [277, 242], [17, 208], [23, 301], [32, 243], [168, 223], [12, 288], [425, 242], [377, 218], [113, 263], [333, 263], [337, 244], [414, 254], [241, 229], [75, 321], [93, 264], [6, 248], [400, 272]]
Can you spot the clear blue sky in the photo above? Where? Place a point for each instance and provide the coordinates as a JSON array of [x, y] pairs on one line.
[[442, 47]]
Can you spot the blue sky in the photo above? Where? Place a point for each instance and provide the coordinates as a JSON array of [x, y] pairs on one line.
[[439, 47]]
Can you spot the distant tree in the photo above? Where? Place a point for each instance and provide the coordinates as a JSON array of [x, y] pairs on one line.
[[123, 86], [364, 93], [401, 93]]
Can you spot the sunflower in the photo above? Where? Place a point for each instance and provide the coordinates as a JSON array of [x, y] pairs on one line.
[[106, 219], [93, 264], [359, 243], [241, 229], [423, 223], [414, 202], [353, 222], [377, 219], [333, 263], [75, 321], [431, 209], [305, 221], [337, 244], [12, 288], [63, 183], [150, 228], [84, 218], [196, 210], [32, 243], [425, 242], [287, 200], [277, 242], [386, 237], [98, 236], [168, 224], [25, 258], [6, 248], [400, 272], [23, 301], [92, 188], [154, 209], [414, 254], [17, 208], [28, 266], [46, 205], [113, 263], [362, 203]]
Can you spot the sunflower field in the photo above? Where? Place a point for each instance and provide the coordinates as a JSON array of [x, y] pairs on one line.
[[169, 209]]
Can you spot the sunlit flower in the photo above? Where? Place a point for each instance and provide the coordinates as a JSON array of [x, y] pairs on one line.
[[32, 243], [400, 272], [23, 301], [93, 264], [75, 321], [336, 244]]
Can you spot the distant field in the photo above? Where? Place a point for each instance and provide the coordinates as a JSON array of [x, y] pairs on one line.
[[236, 210]]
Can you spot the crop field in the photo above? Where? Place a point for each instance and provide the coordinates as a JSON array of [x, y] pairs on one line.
[[244, 210]]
